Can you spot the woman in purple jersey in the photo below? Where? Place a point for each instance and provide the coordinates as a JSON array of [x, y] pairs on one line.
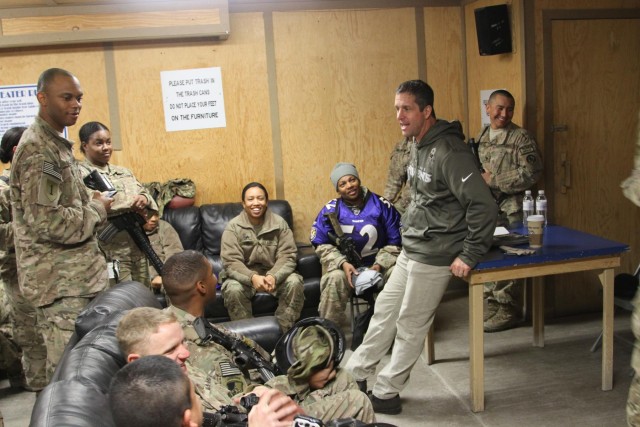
[[370, 222]]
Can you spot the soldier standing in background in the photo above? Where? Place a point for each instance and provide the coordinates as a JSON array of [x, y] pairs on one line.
[[396, 189], [120, 250], [21, 314], [60, 267], [511, 163], [631, 190]]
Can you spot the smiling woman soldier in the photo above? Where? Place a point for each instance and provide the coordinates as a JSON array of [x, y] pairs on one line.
[[259, 255]]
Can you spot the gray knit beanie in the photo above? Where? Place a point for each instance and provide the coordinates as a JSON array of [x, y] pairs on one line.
[[340, 170]]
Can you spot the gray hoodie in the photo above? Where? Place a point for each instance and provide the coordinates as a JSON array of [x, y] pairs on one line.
[[452, 212]]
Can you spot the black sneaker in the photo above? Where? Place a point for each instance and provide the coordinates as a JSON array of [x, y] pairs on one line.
[[391, 406], [362, 385]]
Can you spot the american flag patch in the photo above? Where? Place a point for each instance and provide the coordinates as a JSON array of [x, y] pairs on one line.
[[51, 170], [229, 370]]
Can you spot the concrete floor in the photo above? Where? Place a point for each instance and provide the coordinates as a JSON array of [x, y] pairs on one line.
[[558, 385]]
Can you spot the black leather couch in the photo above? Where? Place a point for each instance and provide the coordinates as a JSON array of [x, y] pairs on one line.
[[78, 392], [200, 228]]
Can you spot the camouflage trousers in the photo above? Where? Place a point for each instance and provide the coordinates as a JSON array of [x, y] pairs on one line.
[[334, 295], [341, 398], [10, 353], [56, 323], [290, 295], [26, 336], [508, 292], [633, 401]]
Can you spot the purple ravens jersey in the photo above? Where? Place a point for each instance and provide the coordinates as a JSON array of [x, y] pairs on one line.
[[377, 225]]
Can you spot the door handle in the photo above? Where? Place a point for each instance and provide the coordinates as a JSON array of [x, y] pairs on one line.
[[566, 178]]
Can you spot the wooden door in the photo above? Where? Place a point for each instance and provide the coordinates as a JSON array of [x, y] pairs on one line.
[[596, 101]]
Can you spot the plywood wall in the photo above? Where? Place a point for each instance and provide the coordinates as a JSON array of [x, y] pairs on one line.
[[222, 160], [336, 81], [303, 90], [444, 44]]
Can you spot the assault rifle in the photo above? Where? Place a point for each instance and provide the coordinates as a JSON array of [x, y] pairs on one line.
[[473, 146], [229, 415], [131, 222], [244, 356], [345, 244]]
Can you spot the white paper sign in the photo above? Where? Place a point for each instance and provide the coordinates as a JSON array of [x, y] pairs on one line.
[[18, 106], [193, 99], [484, 100]]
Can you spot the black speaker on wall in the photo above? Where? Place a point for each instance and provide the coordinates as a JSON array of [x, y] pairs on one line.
[[494, 30]]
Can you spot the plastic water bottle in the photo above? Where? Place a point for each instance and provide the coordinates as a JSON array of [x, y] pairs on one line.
[[541, 205], [527, 206]]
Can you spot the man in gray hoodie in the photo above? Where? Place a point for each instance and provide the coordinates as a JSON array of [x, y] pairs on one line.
[[446, 229]]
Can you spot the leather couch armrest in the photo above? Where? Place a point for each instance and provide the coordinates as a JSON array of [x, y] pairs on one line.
[[308, 264], [71, 403]]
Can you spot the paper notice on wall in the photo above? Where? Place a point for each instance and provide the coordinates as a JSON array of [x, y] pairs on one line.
[[193, 99], [484, 100], [18, 106]]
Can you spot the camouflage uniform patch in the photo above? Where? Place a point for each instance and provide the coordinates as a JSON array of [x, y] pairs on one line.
[[49, 185]]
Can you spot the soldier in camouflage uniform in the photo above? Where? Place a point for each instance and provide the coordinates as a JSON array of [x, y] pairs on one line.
[[512, 164], [23, 314], [323, 390], [631, 189], [95, 144], [164, 240], [370, 221], [190, 285], [60, 266], [396, 190], [147, 331], [259, 255]]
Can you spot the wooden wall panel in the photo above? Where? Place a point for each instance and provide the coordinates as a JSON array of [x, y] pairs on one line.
[[337, 72], [444, 41], [24, 66], [505, 71], [222, 160]]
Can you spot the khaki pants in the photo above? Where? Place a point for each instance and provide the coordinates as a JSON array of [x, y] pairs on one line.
[[403, 314]]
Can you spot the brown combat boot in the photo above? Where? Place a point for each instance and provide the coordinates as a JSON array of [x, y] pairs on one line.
[[505, 318], [491, 309]]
